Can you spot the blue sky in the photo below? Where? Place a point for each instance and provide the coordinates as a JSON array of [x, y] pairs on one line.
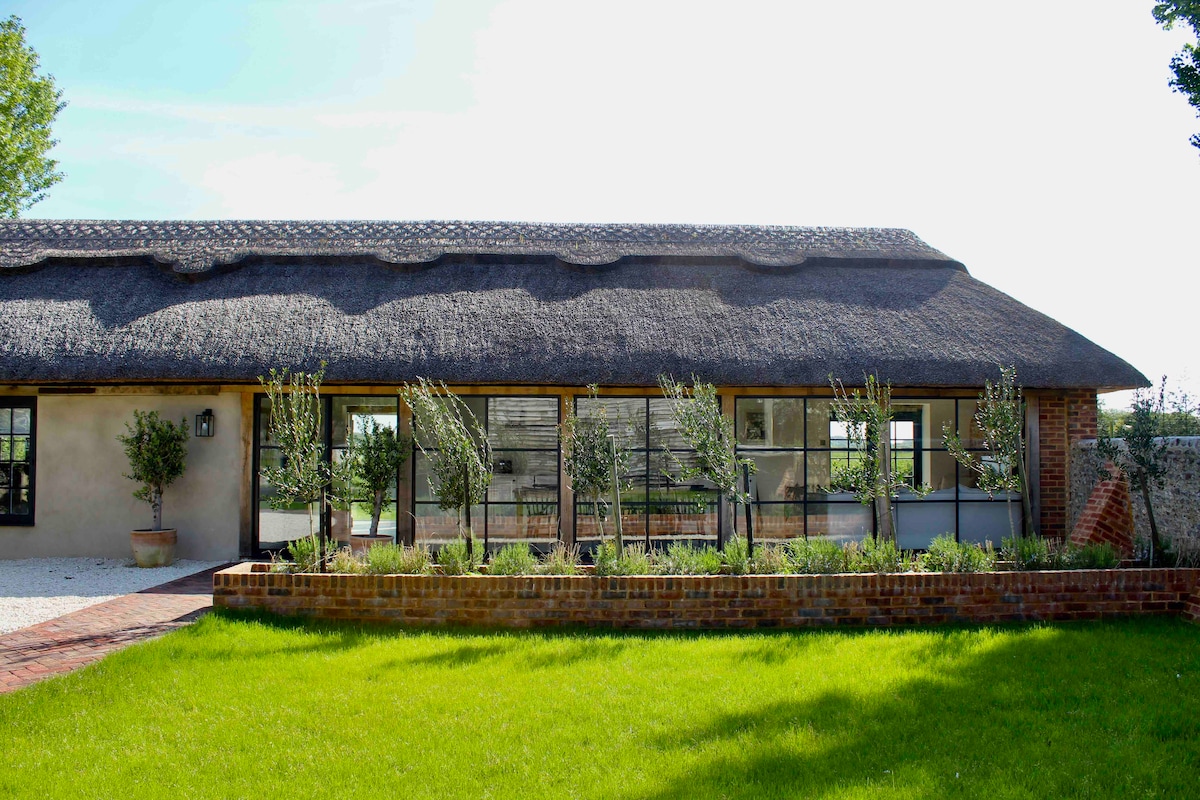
[[1036, 142]]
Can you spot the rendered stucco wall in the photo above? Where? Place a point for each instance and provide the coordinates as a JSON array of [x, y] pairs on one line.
[[84, 504]]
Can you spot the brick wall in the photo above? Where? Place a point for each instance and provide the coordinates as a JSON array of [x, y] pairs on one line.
[[710, 602], [1107, 517], [1063, 420]]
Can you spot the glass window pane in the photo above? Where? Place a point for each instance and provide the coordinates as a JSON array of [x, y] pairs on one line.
[[693, 521], [433, 525], [5, 448], [264, 420], [770, 422], [989, 521], [353, 414], [20, 420], [971, 435], [536, 523], [772, 520], [421, 484], [939, 471], [524, 476], [666, 471], [523, 422], [21, 502], [817, 420], [20, 448], [663, 432], [633, 522], [5, 420], [780, 476], [626, 416], [841, 522], [919, 522]]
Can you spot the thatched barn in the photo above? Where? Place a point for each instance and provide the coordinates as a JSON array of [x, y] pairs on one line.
[[98, 318]]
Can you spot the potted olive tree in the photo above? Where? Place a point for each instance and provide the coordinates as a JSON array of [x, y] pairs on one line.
[[374, 459], [156, 449]]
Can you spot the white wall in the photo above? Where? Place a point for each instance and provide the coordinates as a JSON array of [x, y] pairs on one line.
[[84, 505]]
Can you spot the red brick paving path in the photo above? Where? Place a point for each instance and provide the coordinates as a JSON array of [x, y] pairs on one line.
[[82, 637]]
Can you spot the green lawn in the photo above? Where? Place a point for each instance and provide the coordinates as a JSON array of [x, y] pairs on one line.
[[244, 707]]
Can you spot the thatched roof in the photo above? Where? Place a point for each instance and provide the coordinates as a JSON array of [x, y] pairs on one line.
[[82, 301]]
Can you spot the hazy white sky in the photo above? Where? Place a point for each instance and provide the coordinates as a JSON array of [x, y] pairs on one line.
[[1037, 142]]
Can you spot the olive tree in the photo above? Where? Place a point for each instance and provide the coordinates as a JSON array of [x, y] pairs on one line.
[[373, 460], [1000, 415], [710, 433], [305, 474], [157, 452], [594, 458], [1142, 455], [867, 416], [456, 446]]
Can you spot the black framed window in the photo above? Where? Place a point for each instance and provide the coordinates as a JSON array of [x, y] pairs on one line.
[[341, 416], [522, 500], [799, 446], [655, 508], [18, 427]]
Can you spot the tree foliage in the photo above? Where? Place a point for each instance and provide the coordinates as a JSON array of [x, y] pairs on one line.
[[29, 102], [157, 453], [304, 475], [867, 416], [453, 441], [372, 461], [592, 453], [1186, 64], [710, 433], [1000, 415]]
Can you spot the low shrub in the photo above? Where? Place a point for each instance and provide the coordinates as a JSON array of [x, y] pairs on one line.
[[455, 559], [816, 556], [680, 558], [735, 557], [947, 555], [770, 558], [884, 556], [391, 559], [561, 560], [513, 559], [346, 563], [1026, 552], [633, 560], [1093, 556], [305, 554]]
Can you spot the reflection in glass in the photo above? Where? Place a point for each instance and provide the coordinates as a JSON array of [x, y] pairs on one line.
[[523, 422], [633, 522], [839, 522], [918, 522], [524, 476], [990, 521], [773, 521], [770, 422], [780, 476], [535, 523]]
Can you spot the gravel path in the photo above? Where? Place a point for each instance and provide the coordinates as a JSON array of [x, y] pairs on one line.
[[37, 589]]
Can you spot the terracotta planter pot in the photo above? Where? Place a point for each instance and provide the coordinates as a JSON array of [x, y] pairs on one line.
[[153, 548], [362, 542]]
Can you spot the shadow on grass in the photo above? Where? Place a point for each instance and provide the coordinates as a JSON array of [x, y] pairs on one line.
[[1092, 710]]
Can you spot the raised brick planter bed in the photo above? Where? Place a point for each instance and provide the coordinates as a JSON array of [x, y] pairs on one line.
[[710, 602]]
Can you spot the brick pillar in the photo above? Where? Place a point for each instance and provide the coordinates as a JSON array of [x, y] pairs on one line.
[[1063, 419]]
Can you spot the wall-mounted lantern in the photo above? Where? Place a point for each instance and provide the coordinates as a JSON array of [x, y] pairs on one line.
[[206, 426]]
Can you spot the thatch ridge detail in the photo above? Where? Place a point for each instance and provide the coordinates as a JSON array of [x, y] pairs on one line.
[[199, 246]]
